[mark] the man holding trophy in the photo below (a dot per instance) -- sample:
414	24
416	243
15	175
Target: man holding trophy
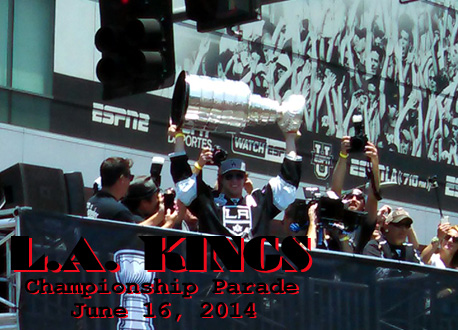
213	104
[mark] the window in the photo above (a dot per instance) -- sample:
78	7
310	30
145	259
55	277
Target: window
26	32
4	44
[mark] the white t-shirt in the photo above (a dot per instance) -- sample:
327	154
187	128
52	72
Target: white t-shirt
436	261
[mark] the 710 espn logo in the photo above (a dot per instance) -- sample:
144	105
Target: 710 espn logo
115	116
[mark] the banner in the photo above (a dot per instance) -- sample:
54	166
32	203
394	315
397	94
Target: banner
79	273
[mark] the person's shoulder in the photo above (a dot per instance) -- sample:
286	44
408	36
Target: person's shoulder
373	242
372	248
107	206
101	195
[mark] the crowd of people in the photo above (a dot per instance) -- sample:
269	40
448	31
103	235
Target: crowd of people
395	67
224	209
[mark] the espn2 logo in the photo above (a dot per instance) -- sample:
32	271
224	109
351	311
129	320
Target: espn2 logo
114	116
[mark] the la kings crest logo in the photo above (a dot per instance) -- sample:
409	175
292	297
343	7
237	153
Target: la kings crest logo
322	159
237	218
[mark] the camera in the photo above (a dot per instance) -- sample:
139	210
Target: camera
169	199
155	170
298	210
332	211
219	155
359	140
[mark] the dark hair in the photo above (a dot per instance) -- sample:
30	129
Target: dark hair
454	261
113	168
132	204
256	47
141	188
380	51
361	33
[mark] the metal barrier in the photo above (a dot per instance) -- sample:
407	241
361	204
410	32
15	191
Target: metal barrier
8	280
340	291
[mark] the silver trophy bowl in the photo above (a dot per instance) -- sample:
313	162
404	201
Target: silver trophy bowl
221	105
132	270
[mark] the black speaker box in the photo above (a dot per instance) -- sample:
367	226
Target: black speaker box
41	188
75	190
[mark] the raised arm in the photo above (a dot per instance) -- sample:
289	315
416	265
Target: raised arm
372	200
338	176
176	133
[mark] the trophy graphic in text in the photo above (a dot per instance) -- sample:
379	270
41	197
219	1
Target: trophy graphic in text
222	105
132	270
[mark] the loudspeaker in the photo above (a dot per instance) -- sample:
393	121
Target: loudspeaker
75	191
41	188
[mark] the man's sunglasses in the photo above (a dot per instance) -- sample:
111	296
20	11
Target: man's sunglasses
230	176
129	176
455	238
358	196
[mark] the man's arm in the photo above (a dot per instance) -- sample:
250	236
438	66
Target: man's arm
182	175
432	247
290	139
176	133
283	187
311	231
157	218
338	176
372	200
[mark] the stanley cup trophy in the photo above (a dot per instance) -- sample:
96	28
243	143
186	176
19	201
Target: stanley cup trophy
220	105
132	270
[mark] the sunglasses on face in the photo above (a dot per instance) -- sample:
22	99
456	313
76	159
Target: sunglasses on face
128	176
455	238
230	176
358	196
400	225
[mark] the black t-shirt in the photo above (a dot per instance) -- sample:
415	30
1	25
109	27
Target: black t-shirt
104	206
381	248
249	216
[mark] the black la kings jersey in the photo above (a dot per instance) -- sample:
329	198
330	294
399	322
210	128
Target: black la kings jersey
247	217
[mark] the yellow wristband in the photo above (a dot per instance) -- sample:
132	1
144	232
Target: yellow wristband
343	155
179	134
345	238
196	165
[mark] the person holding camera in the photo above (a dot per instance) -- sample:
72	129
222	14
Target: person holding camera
144	199
336	237
215	156
230	213
115	180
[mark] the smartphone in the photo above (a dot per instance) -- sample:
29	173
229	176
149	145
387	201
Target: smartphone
445	219
169	200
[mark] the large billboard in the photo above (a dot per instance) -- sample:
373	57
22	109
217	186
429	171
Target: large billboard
395	64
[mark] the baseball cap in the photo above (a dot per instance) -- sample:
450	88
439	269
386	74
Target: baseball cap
397	216
232	164
141	187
